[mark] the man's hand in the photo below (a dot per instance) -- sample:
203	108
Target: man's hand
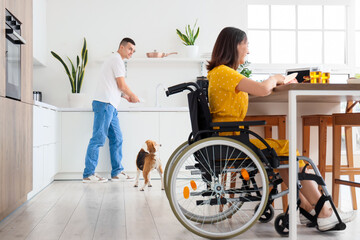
133	99
123	95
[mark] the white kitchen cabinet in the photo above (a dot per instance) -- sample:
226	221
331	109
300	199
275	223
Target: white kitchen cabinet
46	145
175	128
76	128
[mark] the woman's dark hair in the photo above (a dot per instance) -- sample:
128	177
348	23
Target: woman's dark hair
225	48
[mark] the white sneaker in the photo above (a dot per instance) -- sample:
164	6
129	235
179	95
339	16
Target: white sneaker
95	179
347	216
122	177
304	220
328	223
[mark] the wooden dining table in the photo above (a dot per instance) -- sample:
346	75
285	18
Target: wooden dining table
292	94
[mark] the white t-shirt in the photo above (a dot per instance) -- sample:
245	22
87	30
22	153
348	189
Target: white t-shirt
107	89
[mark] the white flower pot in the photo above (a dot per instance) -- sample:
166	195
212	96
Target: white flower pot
76	100
192	51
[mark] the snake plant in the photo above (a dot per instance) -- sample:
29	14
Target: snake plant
190	36
76	75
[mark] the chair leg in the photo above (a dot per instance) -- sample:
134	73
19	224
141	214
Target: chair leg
336	162
282	135
284	198
350	162
306	141
322	146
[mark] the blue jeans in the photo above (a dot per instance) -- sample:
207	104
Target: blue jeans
106	124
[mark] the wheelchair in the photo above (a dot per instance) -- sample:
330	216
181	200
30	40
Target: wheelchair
219	186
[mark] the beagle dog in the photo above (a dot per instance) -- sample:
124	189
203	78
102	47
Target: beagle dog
147	160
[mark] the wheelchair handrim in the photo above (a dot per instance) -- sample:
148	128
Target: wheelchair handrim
185	154
171	160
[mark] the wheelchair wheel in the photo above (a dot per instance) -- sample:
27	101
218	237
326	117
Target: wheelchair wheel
267	215
282	224
214	186
169	163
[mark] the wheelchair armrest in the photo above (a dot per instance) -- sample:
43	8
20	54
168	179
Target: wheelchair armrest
236	124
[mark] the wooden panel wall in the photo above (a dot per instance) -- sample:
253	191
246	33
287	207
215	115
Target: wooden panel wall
16	154
16	120
2	49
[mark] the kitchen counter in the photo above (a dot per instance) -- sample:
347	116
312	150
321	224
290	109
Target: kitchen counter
121	109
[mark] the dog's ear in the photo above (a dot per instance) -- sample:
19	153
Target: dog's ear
151	146
145	147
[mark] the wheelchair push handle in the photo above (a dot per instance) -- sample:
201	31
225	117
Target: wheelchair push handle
181	87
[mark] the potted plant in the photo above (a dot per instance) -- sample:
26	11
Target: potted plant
189	39
242	69
76	75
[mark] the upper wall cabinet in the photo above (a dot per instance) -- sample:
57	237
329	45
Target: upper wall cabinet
39	31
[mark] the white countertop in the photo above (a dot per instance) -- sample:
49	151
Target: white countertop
122	109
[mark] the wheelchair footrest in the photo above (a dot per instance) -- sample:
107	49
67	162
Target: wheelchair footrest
338	227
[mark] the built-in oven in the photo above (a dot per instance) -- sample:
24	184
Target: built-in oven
13	56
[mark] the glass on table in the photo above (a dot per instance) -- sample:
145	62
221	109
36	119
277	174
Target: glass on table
315	75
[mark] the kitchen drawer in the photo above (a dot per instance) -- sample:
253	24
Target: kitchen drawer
45	126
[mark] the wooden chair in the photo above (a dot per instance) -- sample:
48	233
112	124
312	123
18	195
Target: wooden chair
322	122
271	121
347	120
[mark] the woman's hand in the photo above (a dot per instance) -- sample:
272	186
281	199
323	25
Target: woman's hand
278	78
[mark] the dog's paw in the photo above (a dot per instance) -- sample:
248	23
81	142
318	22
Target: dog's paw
149	185
162	188
135	185
141	189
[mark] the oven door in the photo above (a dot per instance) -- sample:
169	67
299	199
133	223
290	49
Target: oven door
13	70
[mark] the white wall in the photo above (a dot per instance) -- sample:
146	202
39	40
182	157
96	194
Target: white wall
151	23
39	34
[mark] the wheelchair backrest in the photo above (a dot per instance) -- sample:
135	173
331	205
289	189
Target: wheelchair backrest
199	111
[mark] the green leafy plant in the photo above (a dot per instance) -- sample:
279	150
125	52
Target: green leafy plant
190	36
242	69
76	75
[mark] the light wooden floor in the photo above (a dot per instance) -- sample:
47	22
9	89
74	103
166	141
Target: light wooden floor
73	210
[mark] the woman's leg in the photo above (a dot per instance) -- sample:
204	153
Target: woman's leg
309	195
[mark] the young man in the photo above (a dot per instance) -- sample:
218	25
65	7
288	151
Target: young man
111	87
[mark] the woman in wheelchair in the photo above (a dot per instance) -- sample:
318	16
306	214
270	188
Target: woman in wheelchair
228	99
218	182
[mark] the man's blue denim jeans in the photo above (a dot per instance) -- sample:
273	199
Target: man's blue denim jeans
106	124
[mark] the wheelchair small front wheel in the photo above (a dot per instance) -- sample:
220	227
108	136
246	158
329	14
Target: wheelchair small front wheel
282	224
267	215
214	186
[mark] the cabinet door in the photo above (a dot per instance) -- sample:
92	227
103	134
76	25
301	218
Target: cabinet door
38	129
50	126
76	131
38	170
49	163
136	127
175	128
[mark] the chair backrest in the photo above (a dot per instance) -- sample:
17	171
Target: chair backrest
199	111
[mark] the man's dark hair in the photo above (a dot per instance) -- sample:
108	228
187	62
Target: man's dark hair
125	41
225	49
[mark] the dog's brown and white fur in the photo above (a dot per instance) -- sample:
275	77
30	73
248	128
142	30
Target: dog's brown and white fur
146	161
